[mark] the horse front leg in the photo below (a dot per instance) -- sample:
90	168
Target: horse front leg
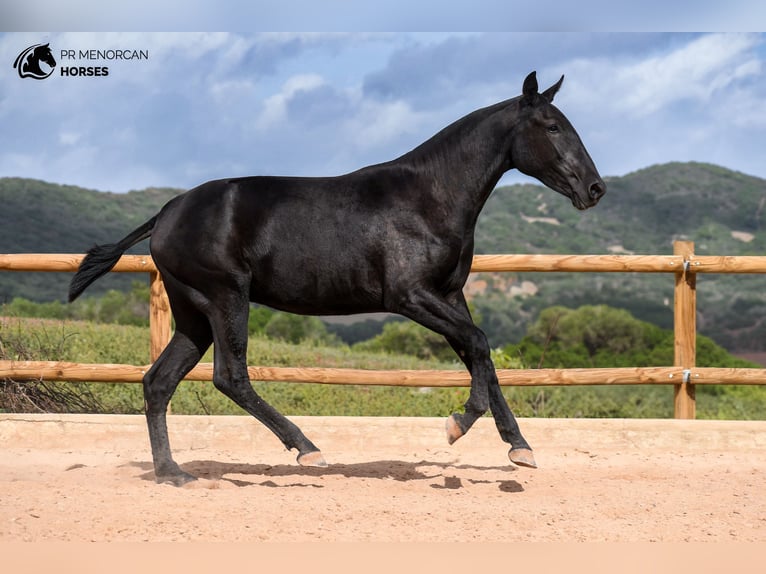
520	452
473	350
453	322
452	319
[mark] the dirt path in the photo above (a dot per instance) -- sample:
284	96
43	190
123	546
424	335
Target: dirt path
89	478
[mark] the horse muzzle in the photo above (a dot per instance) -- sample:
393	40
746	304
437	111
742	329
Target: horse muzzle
590	198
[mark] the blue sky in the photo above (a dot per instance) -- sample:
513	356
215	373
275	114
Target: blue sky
209	105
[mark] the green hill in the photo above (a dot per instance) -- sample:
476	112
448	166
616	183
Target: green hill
41	217
642	212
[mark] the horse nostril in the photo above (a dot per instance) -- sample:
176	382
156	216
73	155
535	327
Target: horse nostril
597	189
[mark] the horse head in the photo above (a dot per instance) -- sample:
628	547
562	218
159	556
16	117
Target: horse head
43	54
547	147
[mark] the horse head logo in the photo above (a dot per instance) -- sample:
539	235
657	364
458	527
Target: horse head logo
28	62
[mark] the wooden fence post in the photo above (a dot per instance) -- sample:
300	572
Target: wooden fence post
159	316
685	326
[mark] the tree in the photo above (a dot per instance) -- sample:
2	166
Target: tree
595	327
258	318
593	336
409	338
297	328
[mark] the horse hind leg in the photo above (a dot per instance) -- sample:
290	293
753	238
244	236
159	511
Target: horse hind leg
233	381
228	317
160	382
231	378
191	339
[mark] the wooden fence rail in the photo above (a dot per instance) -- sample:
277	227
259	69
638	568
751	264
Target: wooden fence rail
684	374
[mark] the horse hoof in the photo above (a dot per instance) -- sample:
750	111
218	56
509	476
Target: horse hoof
314	458
522	457
454	431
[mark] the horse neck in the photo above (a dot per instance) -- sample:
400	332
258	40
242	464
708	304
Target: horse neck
466	160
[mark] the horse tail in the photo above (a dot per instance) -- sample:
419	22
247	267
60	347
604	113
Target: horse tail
101	258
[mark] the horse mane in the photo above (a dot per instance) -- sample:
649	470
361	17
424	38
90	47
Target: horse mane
456	128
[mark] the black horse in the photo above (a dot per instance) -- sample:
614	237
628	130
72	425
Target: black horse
395	237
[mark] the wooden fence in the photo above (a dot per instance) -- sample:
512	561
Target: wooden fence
683	374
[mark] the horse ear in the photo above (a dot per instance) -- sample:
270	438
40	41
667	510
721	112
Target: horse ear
550	92
529	91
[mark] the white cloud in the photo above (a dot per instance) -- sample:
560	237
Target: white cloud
275	106
68	138
676	98
694	71
227	92
380	123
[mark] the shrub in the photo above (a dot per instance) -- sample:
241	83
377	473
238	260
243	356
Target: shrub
409	338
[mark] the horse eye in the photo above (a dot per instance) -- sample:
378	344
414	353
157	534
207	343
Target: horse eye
553	129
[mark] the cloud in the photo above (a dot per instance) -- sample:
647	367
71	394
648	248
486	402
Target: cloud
644	83
275	107
69	138
221	104
193	99
492	65
377	124
692	72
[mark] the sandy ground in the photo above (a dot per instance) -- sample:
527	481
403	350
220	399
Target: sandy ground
89	478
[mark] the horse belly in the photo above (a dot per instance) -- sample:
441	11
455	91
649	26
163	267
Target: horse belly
312	285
